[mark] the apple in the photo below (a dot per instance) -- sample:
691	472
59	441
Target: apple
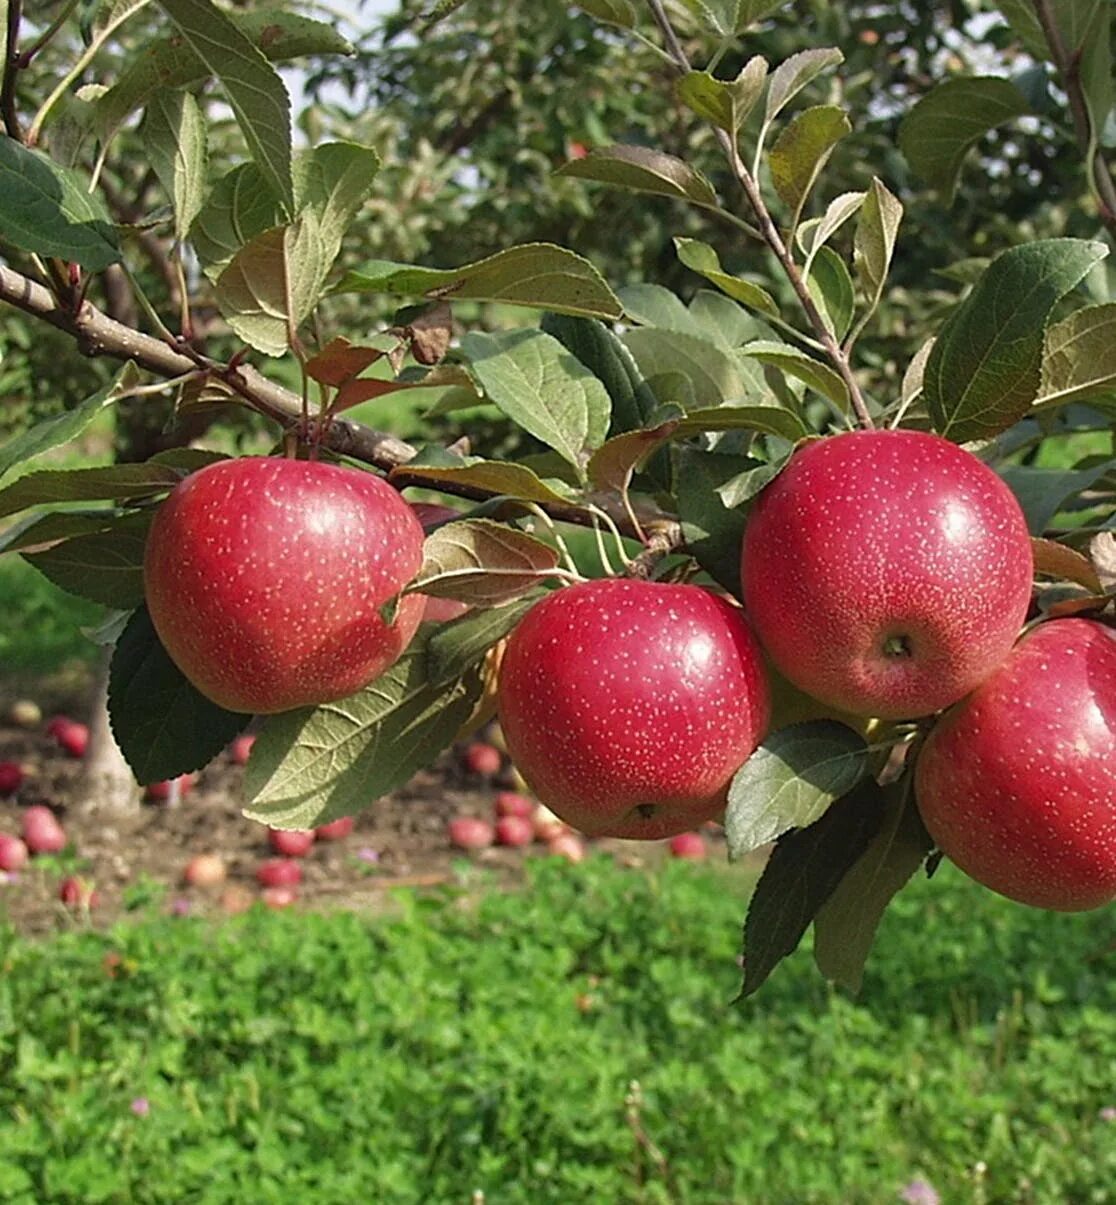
886	573
24	713
688	845
547	825
1017	783
567	845
265	580
335	830
160	792
629	705
470	832
57	723
41	830
72	738
512	803
241	748
13	853
291	842
205	870
11	777
481	759
279	897
514	831
236	898
76	892
279	872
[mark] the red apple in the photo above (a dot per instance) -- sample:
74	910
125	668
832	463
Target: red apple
512	803
11	777
72	738
41	831
886	573
57	723
160	792
567	845
547	825
1017	784
629	705
241	748
279	872
265	580
471	832
335	830
279	897
76	892
205	870
514	830
688	845
482	759
292	842
13	853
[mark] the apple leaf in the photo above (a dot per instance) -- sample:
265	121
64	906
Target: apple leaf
1079	358
803	871
815	233
712	531
503	477
541	386
47	209
119	482
653	305
726	104
984	371
745	486
642	169
613	463
938	132
913	376
801	151
726	18
702	258
174	143
602	353
339	361
831	287
38	531
459	645
877	225
313	765
790	780
793	74
163	724
713	374
797	364
845	925
1042	492
1065	564
483	563
539	275
105	566
620	13
60	429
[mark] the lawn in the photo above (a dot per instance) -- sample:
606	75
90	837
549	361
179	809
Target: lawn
484	1040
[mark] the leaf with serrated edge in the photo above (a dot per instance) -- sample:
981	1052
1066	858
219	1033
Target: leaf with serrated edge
1064	564
611	466
1043	492
874	242
253	88
794	73
105	566
802	873
831	287
63	427
611	12
643	170
709	98
164	726
790	780
539	275
714	374
514	480
313	765
174	141
541	386
460	644
801	151
985	368
702	258
846	923
483	563
912	378
1079	358
817	232
798	364
937	133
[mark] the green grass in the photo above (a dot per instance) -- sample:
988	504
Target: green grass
420	1057
42	624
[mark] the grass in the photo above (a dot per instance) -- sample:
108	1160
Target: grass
488	1041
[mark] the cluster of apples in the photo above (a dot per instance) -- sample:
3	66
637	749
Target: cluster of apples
886	574
517	821
41	833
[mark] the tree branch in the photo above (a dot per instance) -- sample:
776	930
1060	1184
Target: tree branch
11	71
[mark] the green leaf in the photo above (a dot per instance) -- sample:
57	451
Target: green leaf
712	531
538	384
724	18
483	563
793	74
240	206
795	363
985	367
741	489
174	142
169	63
62	428
643	170
503	477
790	780
610	362
702	258
714	374
653	305
621	13
803	871
455	647
314	765
724	321
801	151
105	566
845	925
164	725
1020	15
831	287
333	181
272	284
937	133
536	274
1079	358
725	104
39	530
256	94
1043	492
815	233
874	242
47	209
118	482
769	420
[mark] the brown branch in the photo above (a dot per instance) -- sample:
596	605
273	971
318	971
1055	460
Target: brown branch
11	71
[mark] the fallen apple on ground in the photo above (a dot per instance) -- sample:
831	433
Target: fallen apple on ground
482	759
41	830
160	792
514	830
205	870
291	842
13	853
688	845
77	892
279	872
512	803
471	832
335	830
11	777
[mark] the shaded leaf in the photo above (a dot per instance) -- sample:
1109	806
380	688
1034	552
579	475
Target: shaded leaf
877	225
795	363
702	258
727	17
613	463
643	170
712	531
713	374
801	151
339	361
482	563
1042	492
174	142
612	12
1064	564
105	566
1079	358
457	646
831	287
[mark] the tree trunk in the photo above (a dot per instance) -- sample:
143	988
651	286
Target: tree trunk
107	786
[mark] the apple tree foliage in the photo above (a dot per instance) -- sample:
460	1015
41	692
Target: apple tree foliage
156	214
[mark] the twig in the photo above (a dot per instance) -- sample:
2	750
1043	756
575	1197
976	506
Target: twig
11	71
